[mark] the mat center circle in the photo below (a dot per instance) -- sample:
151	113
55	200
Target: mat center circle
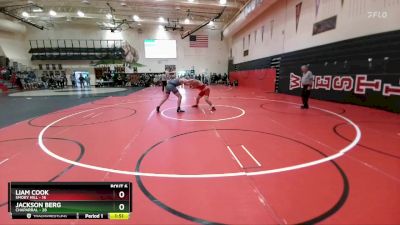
202	114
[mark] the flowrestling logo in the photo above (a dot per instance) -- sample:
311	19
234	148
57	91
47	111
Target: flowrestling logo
358	84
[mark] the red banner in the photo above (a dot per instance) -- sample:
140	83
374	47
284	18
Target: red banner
263	79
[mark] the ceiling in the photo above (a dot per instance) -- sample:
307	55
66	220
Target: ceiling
148	11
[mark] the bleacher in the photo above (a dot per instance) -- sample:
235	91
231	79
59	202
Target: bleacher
69	49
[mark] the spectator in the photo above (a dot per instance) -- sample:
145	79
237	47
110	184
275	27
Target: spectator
18	82
87	80
73	80
81	80
65	80
163	81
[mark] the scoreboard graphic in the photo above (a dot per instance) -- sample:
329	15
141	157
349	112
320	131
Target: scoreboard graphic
70	200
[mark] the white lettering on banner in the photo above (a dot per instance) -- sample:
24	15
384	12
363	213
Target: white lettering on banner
389	89
362	84
342	83
323	82
294	81
359	84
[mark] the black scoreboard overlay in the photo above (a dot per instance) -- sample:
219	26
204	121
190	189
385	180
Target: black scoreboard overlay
70	200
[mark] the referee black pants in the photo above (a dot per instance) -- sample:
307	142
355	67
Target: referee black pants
163	83
305	95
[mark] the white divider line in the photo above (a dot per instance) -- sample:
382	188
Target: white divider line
254	159
96	115
5	160
88	115
234	156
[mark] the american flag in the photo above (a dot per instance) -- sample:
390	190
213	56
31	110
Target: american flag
199	41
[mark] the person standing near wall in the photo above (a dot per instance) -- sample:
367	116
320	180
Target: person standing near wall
73	80
87	79
306	80
163	80
65	80
81	81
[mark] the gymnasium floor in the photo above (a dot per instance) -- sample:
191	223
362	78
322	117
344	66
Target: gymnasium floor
258	159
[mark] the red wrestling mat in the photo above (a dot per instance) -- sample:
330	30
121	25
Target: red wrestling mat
258	159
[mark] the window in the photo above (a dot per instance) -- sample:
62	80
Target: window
249	41
255	36
243	43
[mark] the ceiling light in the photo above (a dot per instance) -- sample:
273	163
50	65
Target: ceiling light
37	10
211	23
136	18
160	26
109	16
222	2
52	13
139	24
80	13
86	2
187	21
123	3
161	19
25	14
190	1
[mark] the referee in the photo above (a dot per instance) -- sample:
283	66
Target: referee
306	81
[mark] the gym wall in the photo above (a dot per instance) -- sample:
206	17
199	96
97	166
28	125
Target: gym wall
263	79
15	47
211	59
371	50
363	71
281	29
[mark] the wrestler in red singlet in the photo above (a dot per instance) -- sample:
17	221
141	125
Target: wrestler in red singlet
204	91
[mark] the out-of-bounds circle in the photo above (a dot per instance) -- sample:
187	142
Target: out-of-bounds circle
340	152
241	113
336	130
131	113
61	173
340	202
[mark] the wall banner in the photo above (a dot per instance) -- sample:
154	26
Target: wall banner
298	12
381	91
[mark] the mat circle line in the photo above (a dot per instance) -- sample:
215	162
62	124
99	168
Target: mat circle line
317	219
30	122
81	148
336	131
342	111
209	175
